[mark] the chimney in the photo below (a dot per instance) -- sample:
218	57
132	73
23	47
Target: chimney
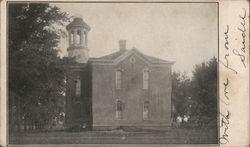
122	44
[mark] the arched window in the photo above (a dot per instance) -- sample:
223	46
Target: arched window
78	87
145	78
118	79
85	39
78	37
118	114
71	38
145	114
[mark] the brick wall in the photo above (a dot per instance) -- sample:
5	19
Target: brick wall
132	94
78	108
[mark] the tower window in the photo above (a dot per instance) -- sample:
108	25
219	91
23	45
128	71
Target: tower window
118	79
78	37
145	79
145	114
78	87
118	114
71	38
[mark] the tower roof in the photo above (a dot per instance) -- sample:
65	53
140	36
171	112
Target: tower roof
78	22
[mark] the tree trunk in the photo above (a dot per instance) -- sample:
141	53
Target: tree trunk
18	115
32	124
12	114
25	124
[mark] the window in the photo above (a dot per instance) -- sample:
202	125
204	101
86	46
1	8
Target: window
78	37
71	38
132	60
145	78
118	114
118	79
173	108
145	114
78	87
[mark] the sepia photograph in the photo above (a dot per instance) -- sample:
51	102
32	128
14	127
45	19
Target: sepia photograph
112	73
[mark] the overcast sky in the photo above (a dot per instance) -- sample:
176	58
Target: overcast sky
182	32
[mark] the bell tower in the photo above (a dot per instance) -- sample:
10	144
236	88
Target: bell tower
78	40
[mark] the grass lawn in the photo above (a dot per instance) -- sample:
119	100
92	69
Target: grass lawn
173	136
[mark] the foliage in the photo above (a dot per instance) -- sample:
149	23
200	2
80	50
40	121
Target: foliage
204	91
36	74
180	93
197	96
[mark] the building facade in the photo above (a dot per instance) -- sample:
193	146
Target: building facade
125	88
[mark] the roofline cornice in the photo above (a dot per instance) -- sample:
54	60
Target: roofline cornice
125	55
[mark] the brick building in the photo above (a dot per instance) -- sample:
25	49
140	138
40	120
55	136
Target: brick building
125	88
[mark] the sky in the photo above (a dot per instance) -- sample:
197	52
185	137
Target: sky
186	33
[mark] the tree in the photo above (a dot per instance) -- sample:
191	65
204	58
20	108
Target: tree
180	93
204	92
36	74
197	97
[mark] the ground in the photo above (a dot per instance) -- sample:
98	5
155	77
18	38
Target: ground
173	136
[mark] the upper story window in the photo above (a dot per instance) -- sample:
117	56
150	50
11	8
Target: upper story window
78	87
118	114
118	79
145	114
145	79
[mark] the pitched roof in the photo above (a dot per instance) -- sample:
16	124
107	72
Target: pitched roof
123	53
154	59
114	55
78	22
